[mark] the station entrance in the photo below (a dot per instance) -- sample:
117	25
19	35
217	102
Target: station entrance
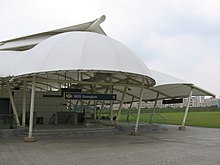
73	99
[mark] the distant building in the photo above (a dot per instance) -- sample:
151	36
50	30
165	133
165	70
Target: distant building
211	102
197	101
218	103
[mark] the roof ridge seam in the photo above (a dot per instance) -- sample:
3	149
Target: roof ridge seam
51	48
83	48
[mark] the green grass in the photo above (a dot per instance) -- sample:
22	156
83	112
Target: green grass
200	119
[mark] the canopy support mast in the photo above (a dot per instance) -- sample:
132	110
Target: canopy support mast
121	104
182	127
24	104
13	104
139	109
154	110
30	138
129	110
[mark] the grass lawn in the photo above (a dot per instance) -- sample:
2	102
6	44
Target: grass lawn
200	119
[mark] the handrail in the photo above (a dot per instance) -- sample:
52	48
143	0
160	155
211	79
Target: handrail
52	119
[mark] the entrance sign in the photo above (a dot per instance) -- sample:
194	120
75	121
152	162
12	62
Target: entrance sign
81	96
172	101
69	90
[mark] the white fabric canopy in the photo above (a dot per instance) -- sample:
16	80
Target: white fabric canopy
172	87
92	52
167	86
74	51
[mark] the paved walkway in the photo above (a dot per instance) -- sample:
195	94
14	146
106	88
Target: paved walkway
195	146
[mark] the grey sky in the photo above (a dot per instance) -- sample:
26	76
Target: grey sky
180	38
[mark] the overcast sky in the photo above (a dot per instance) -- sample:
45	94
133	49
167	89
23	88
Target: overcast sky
177	37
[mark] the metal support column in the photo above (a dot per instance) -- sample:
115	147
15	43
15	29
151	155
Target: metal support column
186	111
155	103
121	104
24	104
2	89
101	110
95	111
129	110
103	104
95	103
111	106
30	138
139	108
13	104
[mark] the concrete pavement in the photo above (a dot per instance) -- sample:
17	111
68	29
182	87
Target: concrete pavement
195	146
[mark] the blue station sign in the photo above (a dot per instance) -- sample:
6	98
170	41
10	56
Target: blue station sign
81	96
